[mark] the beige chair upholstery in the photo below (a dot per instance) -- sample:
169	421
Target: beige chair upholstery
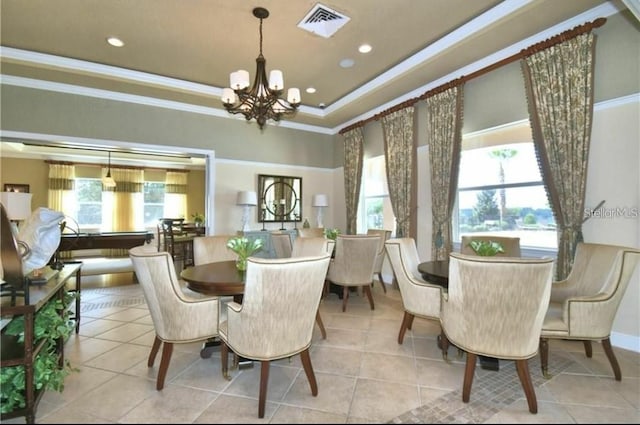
275	320
311	232
281	242
511	245
177	317
211	249
311	247
419	297
355	256
584	305
377	268
495	307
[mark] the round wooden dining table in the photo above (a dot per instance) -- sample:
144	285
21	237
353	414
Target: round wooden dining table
217	279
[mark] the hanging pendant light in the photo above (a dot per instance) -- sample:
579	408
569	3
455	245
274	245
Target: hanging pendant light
108	181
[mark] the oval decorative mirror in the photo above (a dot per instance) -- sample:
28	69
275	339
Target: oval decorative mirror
280	198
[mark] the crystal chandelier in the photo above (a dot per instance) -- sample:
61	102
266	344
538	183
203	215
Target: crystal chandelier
262	101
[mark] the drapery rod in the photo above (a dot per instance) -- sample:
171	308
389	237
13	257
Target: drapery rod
127	167
545	44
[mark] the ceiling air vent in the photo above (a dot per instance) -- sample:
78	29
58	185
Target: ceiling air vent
323	21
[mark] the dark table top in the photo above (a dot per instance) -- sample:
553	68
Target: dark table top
436	272
220	278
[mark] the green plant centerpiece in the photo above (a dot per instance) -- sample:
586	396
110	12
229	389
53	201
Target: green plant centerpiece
50	323
244	247
332	233
198	218
486	248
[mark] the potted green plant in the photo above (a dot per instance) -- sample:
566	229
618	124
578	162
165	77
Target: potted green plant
486	248
244	247
332	233
198	218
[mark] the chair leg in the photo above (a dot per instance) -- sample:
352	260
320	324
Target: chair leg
522	366
321	325
367	291
606	344
154	351
469	370
408	317
384	287
224	360
543	348
345	297
167	350
443	343
588	349
308	370
264	381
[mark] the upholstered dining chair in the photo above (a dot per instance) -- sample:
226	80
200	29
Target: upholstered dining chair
511	245
377	268
355	257
584	305
277	314
177	317
281	242
305	247
419	297
311	232
495	307
211	249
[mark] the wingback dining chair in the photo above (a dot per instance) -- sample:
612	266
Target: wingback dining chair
511	245
311	232
178	318
305	247
275	320
355	257
584	305
210	249
419	297
281	242
377	268
495	307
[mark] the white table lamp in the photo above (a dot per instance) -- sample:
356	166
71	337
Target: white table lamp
17	205
246	199
320	201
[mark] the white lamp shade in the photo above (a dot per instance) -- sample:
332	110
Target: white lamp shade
276	80
320	200
17	204
108	181
293	96
246	197
228	96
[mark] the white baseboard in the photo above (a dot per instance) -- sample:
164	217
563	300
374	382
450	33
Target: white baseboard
628	342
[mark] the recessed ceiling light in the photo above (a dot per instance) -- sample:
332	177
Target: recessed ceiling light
115	41
311	90
347	63
365	48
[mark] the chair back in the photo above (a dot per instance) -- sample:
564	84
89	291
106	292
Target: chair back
511	245
172	312
281	298
281	242
384	236
419	297
311	232
355	256
495	305
304	247
211	249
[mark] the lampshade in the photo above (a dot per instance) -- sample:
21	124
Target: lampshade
247	197
320	200
16	204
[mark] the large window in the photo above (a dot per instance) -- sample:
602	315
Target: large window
153	202
500	192
375	211
89	203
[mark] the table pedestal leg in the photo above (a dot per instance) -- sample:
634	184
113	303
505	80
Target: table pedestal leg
213	344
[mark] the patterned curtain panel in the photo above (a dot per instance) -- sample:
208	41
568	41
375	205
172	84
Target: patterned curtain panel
353	160
175	198
444	133
61	195
559	84
127	195
398	129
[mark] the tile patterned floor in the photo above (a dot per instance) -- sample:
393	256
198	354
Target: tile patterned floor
363	374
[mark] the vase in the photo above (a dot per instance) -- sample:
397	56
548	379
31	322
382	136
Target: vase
241	263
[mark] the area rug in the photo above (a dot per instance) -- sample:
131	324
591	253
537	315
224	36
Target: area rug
489	395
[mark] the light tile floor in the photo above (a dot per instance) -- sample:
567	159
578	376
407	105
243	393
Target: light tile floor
363	374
